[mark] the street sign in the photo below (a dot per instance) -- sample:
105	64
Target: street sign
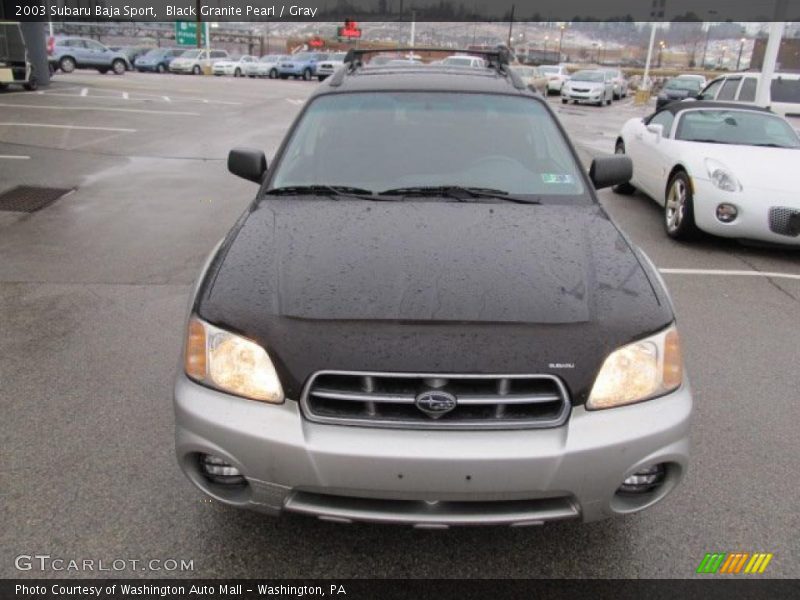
186	33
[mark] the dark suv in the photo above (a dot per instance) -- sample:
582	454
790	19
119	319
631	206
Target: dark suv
426	317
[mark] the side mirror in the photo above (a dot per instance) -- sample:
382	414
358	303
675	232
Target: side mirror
248	163
610	170
656	129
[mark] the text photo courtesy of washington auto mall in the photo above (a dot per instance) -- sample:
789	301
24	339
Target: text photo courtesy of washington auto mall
352	298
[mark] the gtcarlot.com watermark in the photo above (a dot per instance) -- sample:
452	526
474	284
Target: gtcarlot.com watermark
46	562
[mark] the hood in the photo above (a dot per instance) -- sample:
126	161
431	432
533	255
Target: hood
586	84
776	167
431	287
676	93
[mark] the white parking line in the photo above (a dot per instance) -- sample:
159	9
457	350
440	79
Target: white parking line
295	101
13	157
85	92
105	109
124	95
82	127
726	272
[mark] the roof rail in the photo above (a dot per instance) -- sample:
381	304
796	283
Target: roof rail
498	59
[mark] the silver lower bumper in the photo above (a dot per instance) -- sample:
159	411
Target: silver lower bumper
431	478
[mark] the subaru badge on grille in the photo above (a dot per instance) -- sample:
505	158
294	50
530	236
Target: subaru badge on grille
436	403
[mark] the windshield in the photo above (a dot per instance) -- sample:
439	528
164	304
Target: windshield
191	54
155	53
302	57
549	69
385	140
689	85
588	76
745	128
338	56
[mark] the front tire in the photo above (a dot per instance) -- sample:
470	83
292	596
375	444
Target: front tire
161	68
626	189
119	67
237	72
679	208
273	73
564	101
307	75
67	64
196	70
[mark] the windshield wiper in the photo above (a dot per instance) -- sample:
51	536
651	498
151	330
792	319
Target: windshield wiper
772	145
323	190
462	194
708	141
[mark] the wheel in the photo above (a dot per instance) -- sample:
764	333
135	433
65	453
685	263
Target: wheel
237	72
161	68
608	102
119	67
564	101
67	64
616	96
52	68
273	73
3	87
626	189
307	74
196	70
32	84
102	70
679	208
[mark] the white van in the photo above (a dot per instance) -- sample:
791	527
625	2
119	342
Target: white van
784	97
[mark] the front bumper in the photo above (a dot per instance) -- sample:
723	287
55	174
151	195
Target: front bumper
753	206
592	96
181	68
431	478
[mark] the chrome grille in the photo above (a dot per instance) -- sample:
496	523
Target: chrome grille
390	400
784	221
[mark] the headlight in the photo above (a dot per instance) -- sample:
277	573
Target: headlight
722	177
230	363
645	369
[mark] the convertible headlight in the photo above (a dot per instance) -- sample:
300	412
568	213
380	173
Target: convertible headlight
230	363
639	371
722	177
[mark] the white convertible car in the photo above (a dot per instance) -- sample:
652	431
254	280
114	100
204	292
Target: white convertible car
727	169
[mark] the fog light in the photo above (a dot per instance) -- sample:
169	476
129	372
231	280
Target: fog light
643	481
726	213
220	471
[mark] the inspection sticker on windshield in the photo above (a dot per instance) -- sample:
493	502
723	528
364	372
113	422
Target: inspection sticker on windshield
556	178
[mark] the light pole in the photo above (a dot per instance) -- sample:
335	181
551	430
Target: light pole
661	45
739	58
722	59
546	38
560	40
600	53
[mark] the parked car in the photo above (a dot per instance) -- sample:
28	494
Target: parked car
301	65
620	83
328	67
533	78
132	53
70	53
372	341
784	93
236	67
15	66
677	88
266	66
196	61
556	76
590	85
157	60
723	168
461	60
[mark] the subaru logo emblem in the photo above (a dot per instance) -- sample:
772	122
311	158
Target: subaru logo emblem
435	403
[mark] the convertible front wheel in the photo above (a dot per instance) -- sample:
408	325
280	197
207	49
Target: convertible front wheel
679	208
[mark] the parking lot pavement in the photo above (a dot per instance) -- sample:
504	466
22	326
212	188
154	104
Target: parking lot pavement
93	291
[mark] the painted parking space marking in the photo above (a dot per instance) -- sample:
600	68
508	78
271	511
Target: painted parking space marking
78	127
104	109
13	157
734	273
85	92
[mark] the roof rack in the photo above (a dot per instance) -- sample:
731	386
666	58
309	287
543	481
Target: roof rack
497	59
